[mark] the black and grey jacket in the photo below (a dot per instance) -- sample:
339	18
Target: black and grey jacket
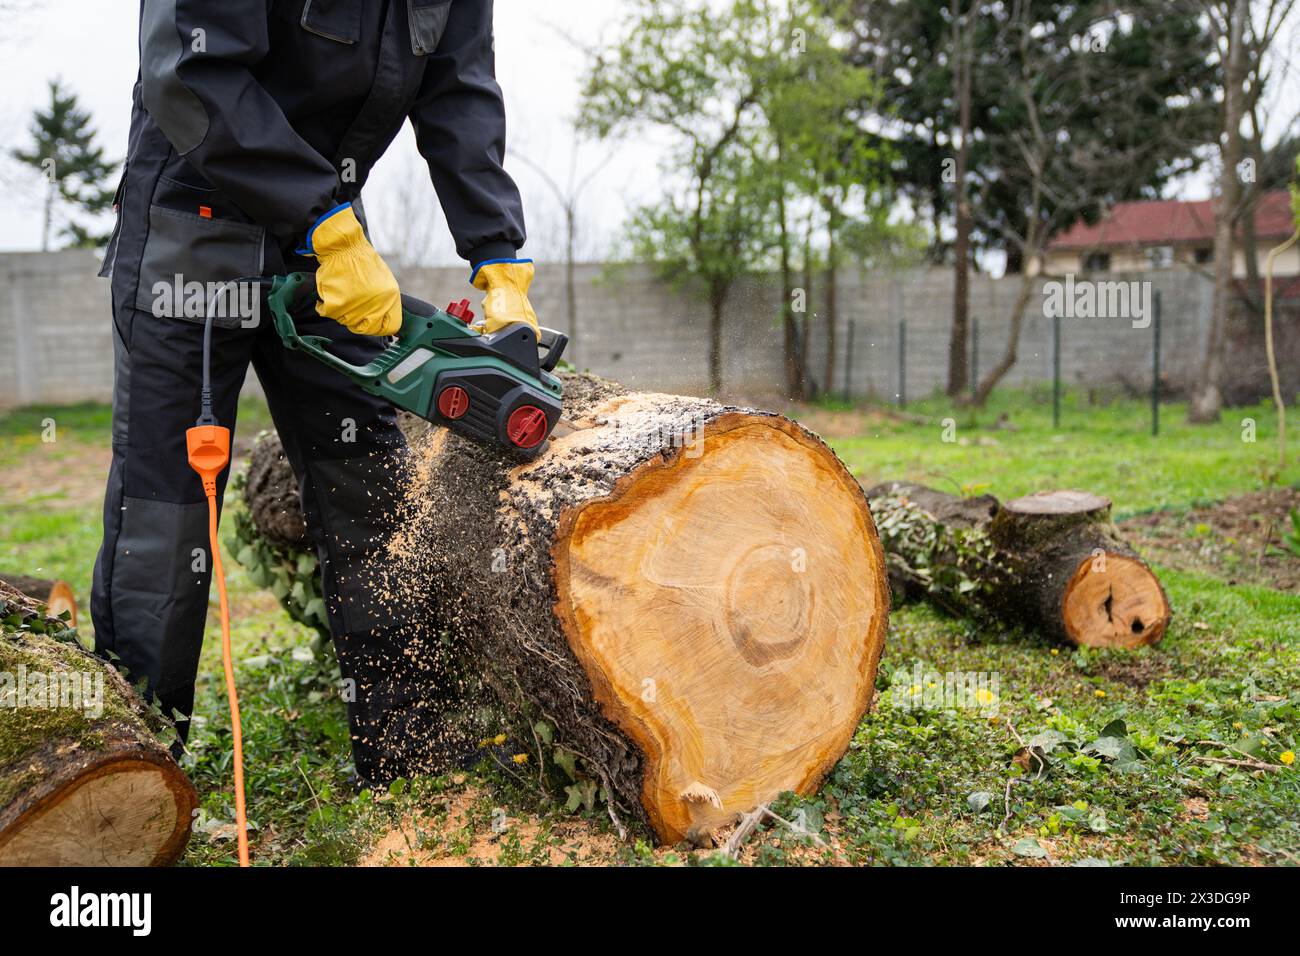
253	117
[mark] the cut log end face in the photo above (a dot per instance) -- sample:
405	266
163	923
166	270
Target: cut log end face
730	611
128	811
1113	600
61	601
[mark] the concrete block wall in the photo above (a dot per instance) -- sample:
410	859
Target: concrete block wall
642	331
56	345
648	333
1093	351
56	341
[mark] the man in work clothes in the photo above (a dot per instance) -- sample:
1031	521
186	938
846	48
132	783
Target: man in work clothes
255	124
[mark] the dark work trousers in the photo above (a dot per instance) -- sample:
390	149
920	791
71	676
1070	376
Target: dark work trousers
149	599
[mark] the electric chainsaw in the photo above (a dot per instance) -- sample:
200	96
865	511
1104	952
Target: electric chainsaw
495	388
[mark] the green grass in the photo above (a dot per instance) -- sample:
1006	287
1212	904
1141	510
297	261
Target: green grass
21	428
923	785
905	788
1106	449
55	531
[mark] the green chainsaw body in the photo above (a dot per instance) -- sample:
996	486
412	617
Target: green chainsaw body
495	388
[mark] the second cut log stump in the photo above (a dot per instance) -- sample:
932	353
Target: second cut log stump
1092	588
1052	560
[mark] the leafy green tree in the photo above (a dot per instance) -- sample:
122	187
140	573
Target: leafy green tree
765	111
76	172
1122	92
679	67
818	155
716	236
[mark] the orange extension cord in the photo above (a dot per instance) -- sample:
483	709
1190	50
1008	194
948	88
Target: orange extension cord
209	453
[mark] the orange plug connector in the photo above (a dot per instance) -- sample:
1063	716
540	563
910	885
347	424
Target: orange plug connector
209	452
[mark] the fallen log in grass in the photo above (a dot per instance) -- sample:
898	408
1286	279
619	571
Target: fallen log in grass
86	778
1052	561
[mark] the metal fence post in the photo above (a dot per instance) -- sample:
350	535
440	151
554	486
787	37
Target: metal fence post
1155	366
902	362
1056	371
848	363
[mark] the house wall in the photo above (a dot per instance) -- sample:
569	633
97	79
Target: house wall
1060	262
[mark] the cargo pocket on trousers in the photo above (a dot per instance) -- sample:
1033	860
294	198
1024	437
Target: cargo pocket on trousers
428	21
186	260
110	251
337	20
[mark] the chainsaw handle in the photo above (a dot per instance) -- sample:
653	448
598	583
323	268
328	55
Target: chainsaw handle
290	292
426	331
284	294
554	343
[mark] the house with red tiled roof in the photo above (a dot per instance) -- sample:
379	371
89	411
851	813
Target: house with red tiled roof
1167	233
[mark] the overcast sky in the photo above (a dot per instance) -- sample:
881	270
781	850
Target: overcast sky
91	45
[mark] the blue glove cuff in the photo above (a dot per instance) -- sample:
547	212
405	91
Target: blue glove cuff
491	262
307	249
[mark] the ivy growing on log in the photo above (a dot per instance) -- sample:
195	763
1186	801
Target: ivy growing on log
957	569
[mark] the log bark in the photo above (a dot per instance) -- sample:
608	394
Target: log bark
692	596
85	778
1053	561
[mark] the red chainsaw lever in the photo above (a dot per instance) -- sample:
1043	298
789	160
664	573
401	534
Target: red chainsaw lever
461	311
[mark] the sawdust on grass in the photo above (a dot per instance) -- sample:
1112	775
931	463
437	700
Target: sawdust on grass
464	829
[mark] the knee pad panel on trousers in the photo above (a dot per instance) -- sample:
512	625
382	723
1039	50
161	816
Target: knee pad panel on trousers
157	600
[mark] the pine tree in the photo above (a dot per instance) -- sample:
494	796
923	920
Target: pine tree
76	172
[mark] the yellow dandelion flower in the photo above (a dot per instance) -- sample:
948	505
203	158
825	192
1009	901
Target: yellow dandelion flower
1055	652
1288	757
1099	692
520	758
499	739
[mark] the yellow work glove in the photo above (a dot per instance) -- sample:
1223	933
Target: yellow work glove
355	286
506	283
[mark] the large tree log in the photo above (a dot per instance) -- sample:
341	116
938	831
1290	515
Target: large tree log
1051	560
693	596
85	779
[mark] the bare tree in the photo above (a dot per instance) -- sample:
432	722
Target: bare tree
1076	138
962	54
1228	20
1243	42
568	196
1036	151
407	224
